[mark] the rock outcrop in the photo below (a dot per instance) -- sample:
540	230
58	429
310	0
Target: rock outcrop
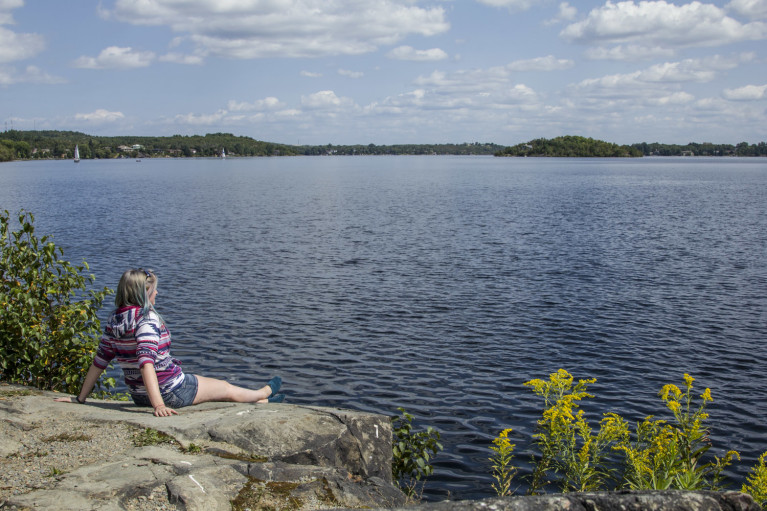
311	457
608	501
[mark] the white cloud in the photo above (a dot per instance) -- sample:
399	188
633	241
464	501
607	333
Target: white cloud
100	116
688	70
179	58
754	9
514	5
201	119
747	93
15	46
713	104
290	112
310	74
676	98
660	24
10	4
656	85
351	74
520	92
32	74
410	53
547	63
285	28
630	52
6	18
462	82
115	57
462	96
325	99
566	13
269	103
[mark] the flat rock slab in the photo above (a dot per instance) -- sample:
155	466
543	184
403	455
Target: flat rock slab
320	457
669	500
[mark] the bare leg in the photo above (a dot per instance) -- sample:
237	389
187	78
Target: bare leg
210	389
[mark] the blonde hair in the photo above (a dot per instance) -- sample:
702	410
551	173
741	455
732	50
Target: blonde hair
135	288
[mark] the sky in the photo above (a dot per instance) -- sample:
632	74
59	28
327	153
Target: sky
388	71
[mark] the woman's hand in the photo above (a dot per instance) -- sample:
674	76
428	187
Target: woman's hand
164	411
90	380
66	399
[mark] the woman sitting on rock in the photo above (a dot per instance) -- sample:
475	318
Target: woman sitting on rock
136	336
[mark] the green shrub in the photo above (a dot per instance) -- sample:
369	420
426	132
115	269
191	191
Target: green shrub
756	482
49	329
412	452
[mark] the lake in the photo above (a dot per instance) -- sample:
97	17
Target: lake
441	284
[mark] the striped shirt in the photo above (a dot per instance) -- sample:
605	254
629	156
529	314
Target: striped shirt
135	340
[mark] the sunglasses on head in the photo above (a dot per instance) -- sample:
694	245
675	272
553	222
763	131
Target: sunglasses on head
148	273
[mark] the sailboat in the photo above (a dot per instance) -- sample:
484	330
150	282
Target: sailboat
223	153
77	154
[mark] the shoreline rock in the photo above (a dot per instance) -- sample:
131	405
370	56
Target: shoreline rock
655	500
114	455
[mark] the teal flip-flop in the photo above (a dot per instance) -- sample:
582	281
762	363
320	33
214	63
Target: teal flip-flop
277	398
275	383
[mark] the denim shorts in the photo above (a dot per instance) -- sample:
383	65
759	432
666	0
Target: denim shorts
181	396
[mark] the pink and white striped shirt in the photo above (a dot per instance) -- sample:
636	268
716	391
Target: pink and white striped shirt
135	339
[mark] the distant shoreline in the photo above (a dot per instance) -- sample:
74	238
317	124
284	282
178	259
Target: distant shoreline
60	145
235	157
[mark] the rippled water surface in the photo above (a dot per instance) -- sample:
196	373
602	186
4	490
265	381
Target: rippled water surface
440	284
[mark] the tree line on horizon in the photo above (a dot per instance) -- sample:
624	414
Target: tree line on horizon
61	145
703	149
574	146
52	144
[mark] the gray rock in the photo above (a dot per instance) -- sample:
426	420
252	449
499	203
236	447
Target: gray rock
318	456
671	500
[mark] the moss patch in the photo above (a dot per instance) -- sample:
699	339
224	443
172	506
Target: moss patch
272	496
151	436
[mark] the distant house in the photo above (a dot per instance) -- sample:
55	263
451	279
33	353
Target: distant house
134	147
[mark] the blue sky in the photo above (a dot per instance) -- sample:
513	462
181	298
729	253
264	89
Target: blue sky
388	71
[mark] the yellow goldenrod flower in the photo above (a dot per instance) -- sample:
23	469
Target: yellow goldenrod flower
669	389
